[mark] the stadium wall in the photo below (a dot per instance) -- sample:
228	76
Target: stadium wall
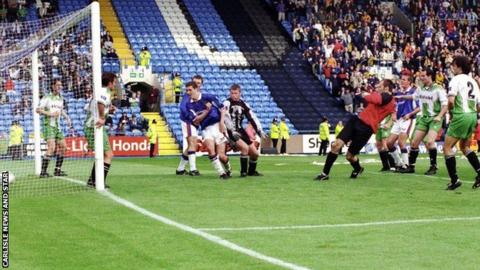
310	144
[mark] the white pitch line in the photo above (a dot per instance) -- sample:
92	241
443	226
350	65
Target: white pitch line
423	176
71	180
346	225
210	237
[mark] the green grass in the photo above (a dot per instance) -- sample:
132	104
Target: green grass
85	230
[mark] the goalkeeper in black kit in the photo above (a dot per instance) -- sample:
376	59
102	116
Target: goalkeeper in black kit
236	111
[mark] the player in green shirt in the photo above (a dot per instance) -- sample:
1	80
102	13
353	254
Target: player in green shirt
463	103
383	132
433	107
52	107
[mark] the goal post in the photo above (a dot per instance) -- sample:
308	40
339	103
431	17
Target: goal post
97	85
50	69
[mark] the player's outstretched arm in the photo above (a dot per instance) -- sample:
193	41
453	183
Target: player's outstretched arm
407	97
411	114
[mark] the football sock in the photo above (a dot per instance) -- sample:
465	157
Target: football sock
106	168
331	157
243	164
433	156
473	159
451	168
183	162
412	158
192	160
384	158
45	161
252	166
58	163
404	152
217	165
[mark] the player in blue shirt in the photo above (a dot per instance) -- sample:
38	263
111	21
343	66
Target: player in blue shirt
189	134
403	126
207	113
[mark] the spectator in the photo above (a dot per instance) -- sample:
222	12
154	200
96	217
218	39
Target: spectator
324	134
124	102
122	124
116	101
135	127
152	137
9	85
15	144
111	53
21	13
281	11
284	136
26	105
177	86
109	122
134	100
145	57
274	133
144	123
3	12
153	100
347	98
336	85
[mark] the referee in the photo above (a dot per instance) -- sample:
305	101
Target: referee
359	129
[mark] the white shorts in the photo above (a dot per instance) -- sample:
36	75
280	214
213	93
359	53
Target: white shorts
189	130
213	133
402	126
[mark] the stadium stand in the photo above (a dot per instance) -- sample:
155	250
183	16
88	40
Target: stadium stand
343	41
174	47
285	72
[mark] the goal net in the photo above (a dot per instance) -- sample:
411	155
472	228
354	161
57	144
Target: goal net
48	75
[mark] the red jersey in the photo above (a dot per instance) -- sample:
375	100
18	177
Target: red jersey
378	107
477	133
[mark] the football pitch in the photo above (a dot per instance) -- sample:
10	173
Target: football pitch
153	219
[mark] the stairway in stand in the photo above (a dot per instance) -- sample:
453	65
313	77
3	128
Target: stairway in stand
166	141
120	42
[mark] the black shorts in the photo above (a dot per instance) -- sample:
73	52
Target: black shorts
243	135
356	132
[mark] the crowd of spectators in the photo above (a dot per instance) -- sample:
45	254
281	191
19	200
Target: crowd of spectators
108	51
66	57
137	126
348	42
131	121
17	10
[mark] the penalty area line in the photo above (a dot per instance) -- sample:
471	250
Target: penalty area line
347	225
210	237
